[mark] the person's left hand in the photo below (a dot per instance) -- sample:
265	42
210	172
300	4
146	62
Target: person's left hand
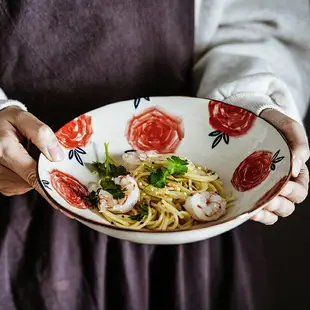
296	190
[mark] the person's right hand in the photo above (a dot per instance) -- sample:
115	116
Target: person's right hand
17	167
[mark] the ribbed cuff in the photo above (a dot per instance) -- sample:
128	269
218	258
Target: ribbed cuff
257	103
9	103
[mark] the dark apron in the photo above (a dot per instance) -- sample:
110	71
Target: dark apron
62	58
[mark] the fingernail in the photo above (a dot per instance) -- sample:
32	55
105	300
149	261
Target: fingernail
55	151
296	167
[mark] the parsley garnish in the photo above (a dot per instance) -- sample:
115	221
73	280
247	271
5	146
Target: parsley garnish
158	178
144	211
107	168
114	189
92	198
177	166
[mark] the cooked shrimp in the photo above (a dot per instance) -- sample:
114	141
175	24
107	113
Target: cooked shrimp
124	205
205	206
134	158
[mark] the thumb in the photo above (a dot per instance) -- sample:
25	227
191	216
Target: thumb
295	135
39	134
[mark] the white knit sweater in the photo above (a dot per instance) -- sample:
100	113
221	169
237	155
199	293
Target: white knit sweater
250	53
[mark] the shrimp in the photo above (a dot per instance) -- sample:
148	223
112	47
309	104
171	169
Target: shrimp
205	206
124	205
134	158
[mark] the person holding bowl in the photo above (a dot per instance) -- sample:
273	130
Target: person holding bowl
61	59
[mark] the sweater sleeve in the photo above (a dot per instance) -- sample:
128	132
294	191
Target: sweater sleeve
5	102
254	54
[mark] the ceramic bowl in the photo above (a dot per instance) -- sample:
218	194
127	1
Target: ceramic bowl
250	155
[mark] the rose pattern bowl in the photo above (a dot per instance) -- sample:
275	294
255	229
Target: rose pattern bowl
251	157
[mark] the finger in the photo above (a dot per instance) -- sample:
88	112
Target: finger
265	217
297	190
12	184
298	141
281	206
16	158
39	134
303	178
295	135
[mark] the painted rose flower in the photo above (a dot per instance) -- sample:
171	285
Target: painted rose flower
76	133
155	130
271	193
69	188
253	170
228	121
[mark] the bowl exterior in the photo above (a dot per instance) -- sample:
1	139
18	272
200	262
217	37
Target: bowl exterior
251	157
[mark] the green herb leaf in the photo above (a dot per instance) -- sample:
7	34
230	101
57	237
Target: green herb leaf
144	212
177	166
109	185
138	217
92	198
144	208
107	168
159	177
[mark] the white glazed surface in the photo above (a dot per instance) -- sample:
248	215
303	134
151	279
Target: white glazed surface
109	125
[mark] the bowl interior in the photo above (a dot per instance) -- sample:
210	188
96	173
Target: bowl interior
251	157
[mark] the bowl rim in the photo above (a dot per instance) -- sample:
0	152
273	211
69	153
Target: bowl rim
206	224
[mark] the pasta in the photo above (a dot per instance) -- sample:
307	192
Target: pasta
159	192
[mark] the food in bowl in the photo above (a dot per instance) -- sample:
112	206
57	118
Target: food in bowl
156	192
250	157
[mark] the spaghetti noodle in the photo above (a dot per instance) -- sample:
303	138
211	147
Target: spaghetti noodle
174	193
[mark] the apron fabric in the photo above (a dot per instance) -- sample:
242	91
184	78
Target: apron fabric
63	58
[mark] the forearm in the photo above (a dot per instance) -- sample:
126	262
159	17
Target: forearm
253	60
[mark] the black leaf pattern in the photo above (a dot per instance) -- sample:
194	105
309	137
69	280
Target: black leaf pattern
46	184
71	154
226	138
81	151
273	167
275	155
215	133
277	160
78	158
216	141
137	101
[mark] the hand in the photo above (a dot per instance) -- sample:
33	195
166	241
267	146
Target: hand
17	167
296	190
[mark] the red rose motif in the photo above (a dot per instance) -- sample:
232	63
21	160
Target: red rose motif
154	130
271	193
254	170
76	133
69	188
228	121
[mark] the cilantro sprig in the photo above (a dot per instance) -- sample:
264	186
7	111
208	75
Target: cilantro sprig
144	212
92	198
175	167
111	187
107	170
158	178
